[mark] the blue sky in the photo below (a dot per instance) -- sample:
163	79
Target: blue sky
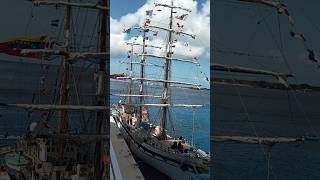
123	7
120	12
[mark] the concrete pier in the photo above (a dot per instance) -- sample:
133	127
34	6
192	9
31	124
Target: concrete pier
123	166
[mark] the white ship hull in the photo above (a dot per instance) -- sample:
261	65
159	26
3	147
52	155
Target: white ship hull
161	161
173	171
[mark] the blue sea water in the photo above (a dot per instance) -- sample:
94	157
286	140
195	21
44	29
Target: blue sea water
272	113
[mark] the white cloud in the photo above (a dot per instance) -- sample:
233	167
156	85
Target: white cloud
197	22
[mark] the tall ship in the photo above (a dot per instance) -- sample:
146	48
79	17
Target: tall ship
54	145
147	136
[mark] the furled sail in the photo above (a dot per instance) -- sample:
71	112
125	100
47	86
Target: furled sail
281	77
55	107
119	76
255	140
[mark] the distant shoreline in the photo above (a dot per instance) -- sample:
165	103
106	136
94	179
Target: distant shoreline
201	89
266	84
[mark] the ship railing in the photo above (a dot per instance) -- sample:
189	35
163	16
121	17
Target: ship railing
6	149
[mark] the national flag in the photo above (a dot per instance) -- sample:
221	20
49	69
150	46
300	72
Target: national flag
180	26
145	112
118	76
14	46
311	55
149	13
298	35
54	24
182	17
195	58
129	54
46	124
127	31
55	20
283	9
106	159
148	21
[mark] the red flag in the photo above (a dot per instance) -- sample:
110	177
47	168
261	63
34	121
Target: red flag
106	159
145	112
45	124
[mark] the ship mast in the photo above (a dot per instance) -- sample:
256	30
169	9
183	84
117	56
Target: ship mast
166	78
64	91
142	65
69	57
142	71
101	90
130	74
167	63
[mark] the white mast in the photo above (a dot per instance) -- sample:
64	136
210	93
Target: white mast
167	63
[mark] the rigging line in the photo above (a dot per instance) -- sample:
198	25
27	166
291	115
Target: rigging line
280	32
60	25
309	19
72	37
39	95
29	20
255	31
247	114
93	32
29	113
51	113
304	112
290	71
171	121
80	41
284	57
193	130
244	53
280	47
268	157
40	25
246	174
213	14
98	28
263	18
237	5
82	123
290	106
83	25
198	65
76	20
